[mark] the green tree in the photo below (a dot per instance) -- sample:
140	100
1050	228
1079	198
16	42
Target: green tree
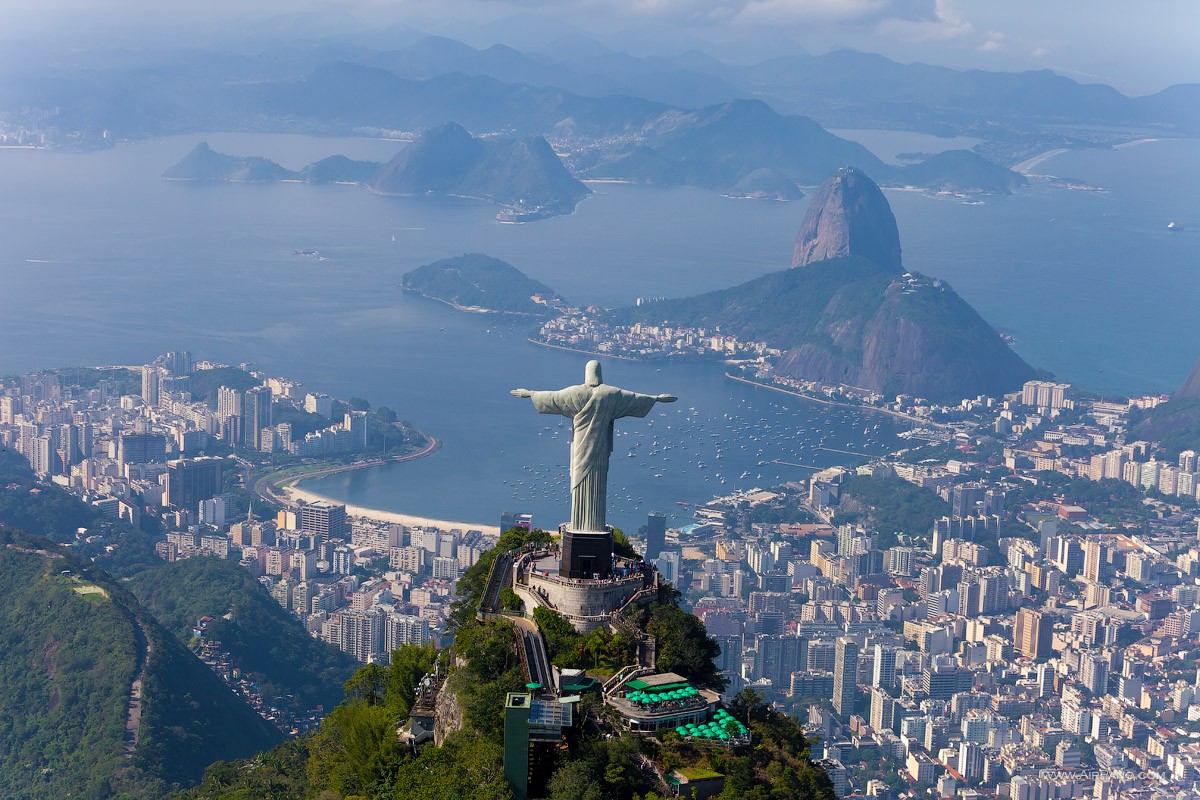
386	414
575	780
354	748
359	404
410	663
367	684
684	646
560	635
510	600
622	546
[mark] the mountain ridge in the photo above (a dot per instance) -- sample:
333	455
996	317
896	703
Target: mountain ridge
100	643
718	147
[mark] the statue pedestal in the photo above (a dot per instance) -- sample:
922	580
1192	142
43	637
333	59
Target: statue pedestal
586	555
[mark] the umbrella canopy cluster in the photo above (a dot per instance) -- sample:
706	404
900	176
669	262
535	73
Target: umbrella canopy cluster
645	698
718	728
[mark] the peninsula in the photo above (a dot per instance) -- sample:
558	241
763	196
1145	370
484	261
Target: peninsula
847	314
478	283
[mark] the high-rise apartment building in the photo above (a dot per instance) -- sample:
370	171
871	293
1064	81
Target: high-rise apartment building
151	384
141	448
656	534
884	671
324	521
192	480
1034	633
883	710
845	676
1095	559
1045	394
256	415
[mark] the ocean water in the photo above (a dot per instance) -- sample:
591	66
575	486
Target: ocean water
101	261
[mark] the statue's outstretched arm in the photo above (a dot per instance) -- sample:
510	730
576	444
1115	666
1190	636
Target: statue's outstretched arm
666	398
521	393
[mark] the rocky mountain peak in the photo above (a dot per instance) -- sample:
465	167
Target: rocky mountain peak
848	216
1191	386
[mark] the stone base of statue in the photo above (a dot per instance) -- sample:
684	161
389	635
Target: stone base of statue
586	554
582	580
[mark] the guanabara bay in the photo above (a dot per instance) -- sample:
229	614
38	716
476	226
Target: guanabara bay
524	400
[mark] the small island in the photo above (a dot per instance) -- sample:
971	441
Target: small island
524	176
478	283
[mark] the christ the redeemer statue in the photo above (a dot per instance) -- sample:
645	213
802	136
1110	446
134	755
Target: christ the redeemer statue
592	406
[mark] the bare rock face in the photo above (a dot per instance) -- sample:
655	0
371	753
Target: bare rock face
1191	386
448	715
849	216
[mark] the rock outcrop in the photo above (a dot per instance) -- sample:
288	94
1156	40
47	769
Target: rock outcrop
1191	386
447	716
849	216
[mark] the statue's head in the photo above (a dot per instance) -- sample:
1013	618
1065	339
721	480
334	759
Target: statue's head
592	376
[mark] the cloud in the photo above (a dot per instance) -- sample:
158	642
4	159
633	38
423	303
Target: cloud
740	12
993	42
943	23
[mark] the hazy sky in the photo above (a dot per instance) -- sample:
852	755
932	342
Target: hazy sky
1136	46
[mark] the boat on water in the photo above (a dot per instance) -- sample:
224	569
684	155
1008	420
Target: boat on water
1174	226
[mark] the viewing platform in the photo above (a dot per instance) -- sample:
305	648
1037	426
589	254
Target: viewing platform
588	603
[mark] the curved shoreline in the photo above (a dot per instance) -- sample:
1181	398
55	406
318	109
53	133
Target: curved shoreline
284	490
824	401
531	340
470	309
1026	167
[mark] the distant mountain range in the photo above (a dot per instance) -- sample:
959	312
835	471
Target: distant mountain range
744	147
593	90
848	313
524	175
842	88
577	88
477	282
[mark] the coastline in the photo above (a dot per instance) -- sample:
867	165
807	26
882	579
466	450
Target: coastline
584	352
1026	167
825	401
284	489
410	520
470	309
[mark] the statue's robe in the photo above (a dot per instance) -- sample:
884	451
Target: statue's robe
592	410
